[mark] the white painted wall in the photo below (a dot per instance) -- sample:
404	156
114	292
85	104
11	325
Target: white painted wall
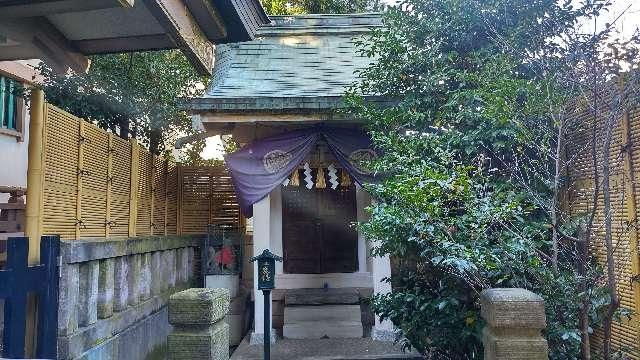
13	159
13	151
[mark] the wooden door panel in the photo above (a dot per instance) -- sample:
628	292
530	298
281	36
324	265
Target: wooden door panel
317	233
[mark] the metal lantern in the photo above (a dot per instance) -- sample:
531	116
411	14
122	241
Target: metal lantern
266	269
266	283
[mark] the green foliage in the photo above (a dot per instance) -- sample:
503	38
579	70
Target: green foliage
192	155
294	7
468	145
134	94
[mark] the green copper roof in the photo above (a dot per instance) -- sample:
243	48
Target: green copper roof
292	62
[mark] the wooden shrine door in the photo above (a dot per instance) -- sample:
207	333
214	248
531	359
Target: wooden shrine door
317	231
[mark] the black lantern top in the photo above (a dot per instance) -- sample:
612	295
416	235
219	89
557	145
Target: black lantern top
266	269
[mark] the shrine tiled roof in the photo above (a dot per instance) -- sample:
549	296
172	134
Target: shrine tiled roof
303	61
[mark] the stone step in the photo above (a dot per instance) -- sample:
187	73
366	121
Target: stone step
322	329
332	296
295	314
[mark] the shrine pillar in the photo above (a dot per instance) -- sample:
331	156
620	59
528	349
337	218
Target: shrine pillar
382	330
363	199
262	231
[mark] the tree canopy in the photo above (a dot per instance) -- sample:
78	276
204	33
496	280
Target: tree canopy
133	94
471	149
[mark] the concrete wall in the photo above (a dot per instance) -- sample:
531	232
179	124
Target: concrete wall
113	295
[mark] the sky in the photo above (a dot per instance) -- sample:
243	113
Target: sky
627	13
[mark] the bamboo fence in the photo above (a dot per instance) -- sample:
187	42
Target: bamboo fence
625	167
97	185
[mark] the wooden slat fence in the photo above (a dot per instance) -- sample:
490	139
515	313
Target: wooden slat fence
99	185
625	193
208	197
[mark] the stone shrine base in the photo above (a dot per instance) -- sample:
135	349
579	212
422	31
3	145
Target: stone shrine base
325	349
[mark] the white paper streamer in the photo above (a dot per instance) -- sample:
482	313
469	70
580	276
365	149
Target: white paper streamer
285	182
307	176
333	176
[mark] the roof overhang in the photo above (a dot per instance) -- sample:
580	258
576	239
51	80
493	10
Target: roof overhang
275	105
63	32
244	118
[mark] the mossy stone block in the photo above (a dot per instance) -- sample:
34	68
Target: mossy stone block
209	343
198	306
512	308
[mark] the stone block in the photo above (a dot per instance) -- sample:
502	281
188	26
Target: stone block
133	279
512	308
105	288
120	284
322	313
145	276
198	306
68	299
171	267
515	319
332	296
164	270
513	345
235	322
88	295
230	282
184	266
322	329
156	273
191	265
210	343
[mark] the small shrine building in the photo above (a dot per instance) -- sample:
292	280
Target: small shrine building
300	168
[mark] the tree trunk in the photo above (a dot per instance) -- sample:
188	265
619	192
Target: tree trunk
583	249
123	124
155	141
585	307
554	199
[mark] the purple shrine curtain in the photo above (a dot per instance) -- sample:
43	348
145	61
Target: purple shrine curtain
260	166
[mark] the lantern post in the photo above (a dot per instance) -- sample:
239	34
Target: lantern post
266	283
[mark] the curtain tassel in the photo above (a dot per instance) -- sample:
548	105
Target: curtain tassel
320	183
295	178
345	179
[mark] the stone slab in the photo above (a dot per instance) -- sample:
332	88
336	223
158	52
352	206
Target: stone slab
198	306
322	329
235	322
209	344
333	296
513	347
136	342
82	250
294	314
325	349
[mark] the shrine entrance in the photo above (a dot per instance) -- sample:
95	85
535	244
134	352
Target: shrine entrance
318	236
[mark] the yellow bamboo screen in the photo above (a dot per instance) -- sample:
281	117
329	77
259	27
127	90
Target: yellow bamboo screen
625	168
99	185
